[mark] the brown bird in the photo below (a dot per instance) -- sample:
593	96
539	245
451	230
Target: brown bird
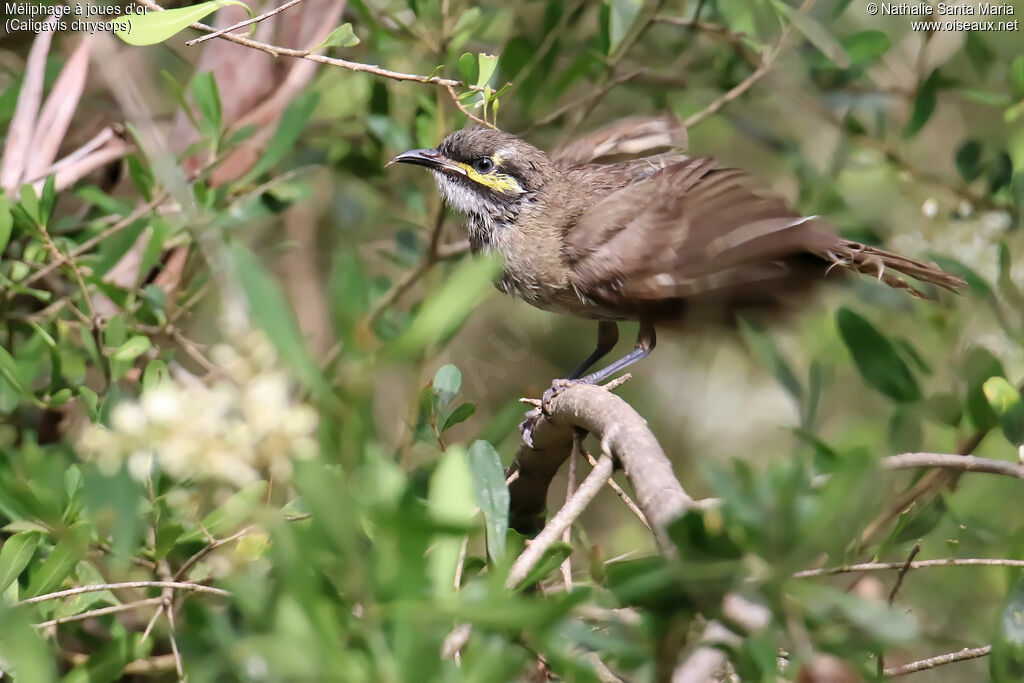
661	239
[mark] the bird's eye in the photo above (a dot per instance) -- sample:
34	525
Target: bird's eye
483	165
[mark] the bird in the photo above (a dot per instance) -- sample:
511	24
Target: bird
621	225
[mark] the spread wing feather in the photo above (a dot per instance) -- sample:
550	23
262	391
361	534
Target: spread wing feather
696	230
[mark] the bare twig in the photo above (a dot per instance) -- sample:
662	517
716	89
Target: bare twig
892	597
743	86
941	660
87	245
277	51
100	611
967	463
919	564
633	507
570	489
903	572
175	585
246	22
458	103
562	520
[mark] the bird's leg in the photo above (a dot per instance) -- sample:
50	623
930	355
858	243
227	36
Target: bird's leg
606	334
607	338
645	341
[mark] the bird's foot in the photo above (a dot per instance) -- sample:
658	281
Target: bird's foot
529	424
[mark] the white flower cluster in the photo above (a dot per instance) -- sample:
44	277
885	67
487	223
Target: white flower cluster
242	426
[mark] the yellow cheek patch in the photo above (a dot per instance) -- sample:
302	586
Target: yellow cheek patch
496	181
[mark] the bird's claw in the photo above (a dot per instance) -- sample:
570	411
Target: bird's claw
529	424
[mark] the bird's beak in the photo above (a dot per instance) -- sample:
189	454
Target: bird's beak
430	158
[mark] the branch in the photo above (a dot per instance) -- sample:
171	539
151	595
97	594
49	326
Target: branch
932	662
919	564
174	585
322	59
624	436
562	520
967	463
246	22
743	86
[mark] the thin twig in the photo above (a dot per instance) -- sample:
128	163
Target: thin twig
277	51
967	463
892	597
743	86
621	493
941	660
570	489
562	520
206	550
93	588
246	22
919	564
87	245
467	112
100	611
903	572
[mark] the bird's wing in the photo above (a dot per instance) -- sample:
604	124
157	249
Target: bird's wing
632	137
690	228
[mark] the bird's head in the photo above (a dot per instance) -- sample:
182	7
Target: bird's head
484	174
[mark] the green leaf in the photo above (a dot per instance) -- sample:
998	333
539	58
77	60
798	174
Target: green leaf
876	358
450	502
293	122
1007	660
61	561
469	67
24	653
1017	77
1005	401
155	374
107	662
29	203
1001	174
770	356
968	160
16	553
488	63
447	381
207	99
621	18
6	223
924	105
230	514
343	36
442	314
865	46
551	560
132	349
460	414
91	400
492	496
271	310
979	366
815	33
155	27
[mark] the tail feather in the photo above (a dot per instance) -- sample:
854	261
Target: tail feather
869	260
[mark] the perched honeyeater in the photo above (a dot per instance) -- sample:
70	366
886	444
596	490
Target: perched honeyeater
664	239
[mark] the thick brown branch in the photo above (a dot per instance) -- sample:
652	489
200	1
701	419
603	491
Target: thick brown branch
624	435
